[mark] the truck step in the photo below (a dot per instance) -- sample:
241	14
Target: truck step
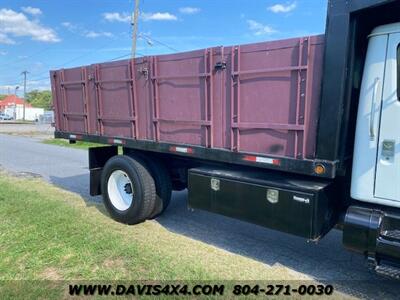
388	271
383	254
393	235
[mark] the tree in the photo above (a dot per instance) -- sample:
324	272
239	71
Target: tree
41	99
2	96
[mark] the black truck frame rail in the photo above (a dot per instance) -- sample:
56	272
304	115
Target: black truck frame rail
319	168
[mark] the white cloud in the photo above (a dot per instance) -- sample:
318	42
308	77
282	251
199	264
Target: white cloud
158	16
260	29
282	8
95	34
126	18
189	10
31	10
40	85
2	53
117	17
78	29
4	39
69	25
18	25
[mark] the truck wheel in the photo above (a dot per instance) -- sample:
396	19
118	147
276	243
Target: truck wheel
163	186
128	190
163	183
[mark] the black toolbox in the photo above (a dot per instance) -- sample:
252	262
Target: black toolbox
289	204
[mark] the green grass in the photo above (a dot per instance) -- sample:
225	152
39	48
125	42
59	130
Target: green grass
65	143
49	234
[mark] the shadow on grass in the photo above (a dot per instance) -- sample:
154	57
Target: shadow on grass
326	261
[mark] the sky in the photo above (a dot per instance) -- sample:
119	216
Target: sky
40	35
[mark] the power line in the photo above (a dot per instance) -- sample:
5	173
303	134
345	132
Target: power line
25	58
89	53
60	66
69	61
120	57
123	56
159	42
134	41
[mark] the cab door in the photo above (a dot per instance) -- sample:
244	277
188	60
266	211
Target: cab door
368	120
387	177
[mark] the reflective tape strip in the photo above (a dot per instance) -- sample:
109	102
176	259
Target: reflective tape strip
181	149
263	160
75	137
116	141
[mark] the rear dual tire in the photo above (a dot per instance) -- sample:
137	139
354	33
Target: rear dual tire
163	183
129	190
135	188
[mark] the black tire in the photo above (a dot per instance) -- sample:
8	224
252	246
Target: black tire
162	181
143	189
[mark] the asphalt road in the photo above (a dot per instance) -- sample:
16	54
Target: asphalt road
325	261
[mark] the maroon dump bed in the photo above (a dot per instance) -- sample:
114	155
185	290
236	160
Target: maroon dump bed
259	98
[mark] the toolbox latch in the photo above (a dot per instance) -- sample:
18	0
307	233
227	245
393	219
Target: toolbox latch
215	184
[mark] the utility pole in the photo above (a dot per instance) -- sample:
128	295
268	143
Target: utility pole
15	105
23	107
135	26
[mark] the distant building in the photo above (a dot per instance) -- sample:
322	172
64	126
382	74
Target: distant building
11	101
14	107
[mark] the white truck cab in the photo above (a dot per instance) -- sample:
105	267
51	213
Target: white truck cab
376	159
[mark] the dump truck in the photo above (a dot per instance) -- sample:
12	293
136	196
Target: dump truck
299	135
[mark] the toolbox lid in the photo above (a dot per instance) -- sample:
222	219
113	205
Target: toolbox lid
262	177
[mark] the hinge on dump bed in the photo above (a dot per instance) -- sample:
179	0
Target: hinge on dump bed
145	72
220	65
